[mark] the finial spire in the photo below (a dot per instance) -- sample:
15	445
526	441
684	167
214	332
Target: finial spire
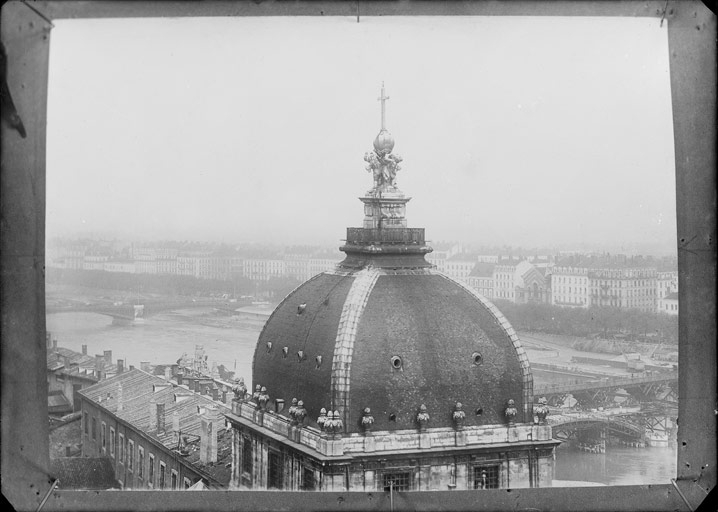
383	99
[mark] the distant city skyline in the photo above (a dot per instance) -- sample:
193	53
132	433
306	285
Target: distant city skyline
523	132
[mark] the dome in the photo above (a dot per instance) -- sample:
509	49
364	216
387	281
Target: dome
392	340
386	331
384	142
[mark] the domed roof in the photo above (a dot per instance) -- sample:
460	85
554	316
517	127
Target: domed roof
384	330
392	340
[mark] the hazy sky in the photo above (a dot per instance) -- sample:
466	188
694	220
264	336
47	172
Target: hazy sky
514	130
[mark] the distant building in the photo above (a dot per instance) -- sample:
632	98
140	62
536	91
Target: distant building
67	373
666	284
669	304
519	281
570	286
156	433
481	279
118	265
623	287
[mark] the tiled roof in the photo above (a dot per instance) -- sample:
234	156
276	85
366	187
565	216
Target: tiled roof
55	358
84	473
139	388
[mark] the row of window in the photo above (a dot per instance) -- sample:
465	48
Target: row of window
484	476
123	450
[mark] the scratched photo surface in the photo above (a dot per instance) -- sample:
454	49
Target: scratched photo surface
201	169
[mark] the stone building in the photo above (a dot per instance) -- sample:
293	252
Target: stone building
385	373
156	433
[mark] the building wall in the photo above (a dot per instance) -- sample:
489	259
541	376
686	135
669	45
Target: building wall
519	467
570	287
124	451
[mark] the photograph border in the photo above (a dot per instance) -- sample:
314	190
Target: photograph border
26	480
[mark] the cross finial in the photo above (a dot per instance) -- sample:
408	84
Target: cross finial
383	99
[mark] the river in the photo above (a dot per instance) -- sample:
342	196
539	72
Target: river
163	338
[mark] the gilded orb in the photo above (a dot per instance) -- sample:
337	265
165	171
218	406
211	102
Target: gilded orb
384	142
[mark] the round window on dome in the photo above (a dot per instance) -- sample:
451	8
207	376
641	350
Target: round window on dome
396	362
476	359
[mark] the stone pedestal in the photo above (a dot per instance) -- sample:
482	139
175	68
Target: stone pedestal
460	438
384	209
369	443
424	440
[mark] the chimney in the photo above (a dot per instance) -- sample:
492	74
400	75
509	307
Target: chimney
108	357
179	378
175	427
168	372
66	362
132	367
145	366
161	418
120	398
209	422
99	366
84	350
120	366
48	339
153	415
215	393
68	451
54	343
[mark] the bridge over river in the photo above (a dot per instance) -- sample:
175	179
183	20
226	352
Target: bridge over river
642	381
133	312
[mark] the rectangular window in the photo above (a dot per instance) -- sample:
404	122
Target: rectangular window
103	436
94	429
151	471
87	423
140	462
274	471
130	455
174	479
398	481
486	477
162	475
121	457
308	483
112	442
247	455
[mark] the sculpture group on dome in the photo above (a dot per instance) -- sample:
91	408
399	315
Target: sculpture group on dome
383	164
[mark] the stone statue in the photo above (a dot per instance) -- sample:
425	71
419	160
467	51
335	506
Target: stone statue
458	416
300	413
257	392
338	424
383	166
263	398
542	410
367	420
239	389
423	417
510	412
321	420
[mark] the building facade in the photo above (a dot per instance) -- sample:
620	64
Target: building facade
157	433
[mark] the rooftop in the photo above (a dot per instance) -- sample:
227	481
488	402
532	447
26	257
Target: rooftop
137	392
